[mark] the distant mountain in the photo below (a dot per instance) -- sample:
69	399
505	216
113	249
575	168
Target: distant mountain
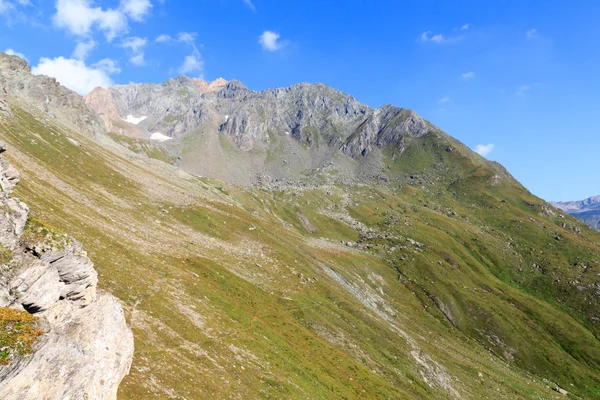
587	210
222	129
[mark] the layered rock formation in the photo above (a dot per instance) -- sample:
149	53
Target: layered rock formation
224	130
87	348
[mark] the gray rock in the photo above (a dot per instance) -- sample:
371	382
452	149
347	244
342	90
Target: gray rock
86	348
312	125
76	272
83	355
36	286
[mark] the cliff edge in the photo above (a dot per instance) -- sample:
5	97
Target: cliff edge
86	348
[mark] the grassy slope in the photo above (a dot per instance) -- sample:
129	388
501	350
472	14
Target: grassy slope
230	295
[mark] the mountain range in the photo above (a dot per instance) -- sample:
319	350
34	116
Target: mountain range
295	243
587	210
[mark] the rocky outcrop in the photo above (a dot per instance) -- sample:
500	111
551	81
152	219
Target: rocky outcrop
47	95
87	348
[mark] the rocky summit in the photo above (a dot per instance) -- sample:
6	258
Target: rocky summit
289	243
223	130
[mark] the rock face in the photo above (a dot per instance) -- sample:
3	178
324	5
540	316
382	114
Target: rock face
587	210
87	348
45	93
224	130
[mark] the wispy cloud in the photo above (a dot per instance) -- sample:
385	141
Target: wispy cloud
468	75
523	90
10	6
182	37
465	27
136	47
192	63
82	49
532	34
270	41
438	38
430	37
249	4
164	38
484	149
444	100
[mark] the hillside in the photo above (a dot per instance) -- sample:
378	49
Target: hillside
587	210
366	254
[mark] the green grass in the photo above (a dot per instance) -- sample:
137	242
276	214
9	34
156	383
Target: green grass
5	255
18	334
142	146
230	295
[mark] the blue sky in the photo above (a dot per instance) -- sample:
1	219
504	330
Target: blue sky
517	80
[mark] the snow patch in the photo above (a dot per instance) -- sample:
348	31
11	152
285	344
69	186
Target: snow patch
133	120
159	137
287	133
226	118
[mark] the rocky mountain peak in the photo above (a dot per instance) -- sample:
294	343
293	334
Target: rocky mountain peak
46	94
14	64
209	87
233	89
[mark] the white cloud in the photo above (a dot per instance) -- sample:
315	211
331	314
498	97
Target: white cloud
138	59
74	74
269	41
82	49
522	90
186	37
136	46
164	38
107	65
182	37
532	34
5	6
431	37
444	100
11	52
8	6
134	43
249	4
192	63
79	17
439	38
137	10
484	149
468	75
